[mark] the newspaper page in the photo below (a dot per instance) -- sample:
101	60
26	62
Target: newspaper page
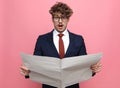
60	72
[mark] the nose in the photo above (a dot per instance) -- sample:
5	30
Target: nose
60	20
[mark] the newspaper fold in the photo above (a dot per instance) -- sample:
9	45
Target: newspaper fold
60	72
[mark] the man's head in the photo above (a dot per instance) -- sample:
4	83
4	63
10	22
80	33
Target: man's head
61	13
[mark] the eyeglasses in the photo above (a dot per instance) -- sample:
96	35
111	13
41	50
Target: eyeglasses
58	18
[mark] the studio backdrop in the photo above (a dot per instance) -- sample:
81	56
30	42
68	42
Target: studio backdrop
22	21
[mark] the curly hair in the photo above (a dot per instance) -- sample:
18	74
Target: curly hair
62	8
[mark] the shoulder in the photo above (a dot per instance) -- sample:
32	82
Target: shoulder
45	36
75	36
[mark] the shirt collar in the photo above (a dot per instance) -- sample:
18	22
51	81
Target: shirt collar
56	32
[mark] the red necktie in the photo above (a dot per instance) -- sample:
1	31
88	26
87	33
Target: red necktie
61	46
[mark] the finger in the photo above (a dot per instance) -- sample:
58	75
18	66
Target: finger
98	63
96	66
96	71
24	72
23	67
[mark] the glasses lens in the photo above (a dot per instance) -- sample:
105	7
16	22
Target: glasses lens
58	18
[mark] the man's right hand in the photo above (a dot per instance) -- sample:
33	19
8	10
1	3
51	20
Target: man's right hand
24	70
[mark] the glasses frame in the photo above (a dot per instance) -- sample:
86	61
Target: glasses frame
58	18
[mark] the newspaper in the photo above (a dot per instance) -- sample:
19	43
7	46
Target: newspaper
60	72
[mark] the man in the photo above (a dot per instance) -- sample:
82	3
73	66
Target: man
50	44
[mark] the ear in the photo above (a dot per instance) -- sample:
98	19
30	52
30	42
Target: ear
52	19
68	19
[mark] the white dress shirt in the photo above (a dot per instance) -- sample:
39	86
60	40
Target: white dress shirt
65	38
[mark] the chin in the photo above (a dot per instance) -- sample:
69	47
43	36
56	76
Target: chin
60	31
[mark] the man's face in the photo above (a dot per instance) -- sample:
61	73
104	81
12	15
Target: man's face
60	22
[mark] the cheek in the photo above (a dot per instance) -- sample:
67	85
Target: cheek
66	23
55	23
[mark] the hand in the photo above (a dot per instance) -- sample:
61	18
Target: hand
24	70
96	67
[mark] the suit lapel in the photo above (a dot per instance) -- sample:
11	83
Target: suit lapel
52	46
71	44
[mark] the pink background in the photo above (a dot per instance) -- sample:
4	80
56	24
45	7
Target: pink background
21	22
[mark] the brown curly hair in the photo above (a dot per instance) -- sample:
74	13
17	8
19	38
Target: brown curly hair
62	8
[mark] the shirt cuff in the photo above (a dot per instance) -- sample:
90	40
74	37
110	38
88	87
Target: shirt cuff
26	76
93	73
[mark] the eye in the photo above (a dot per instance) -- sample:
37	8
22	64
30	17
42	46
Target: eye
55	17
63	17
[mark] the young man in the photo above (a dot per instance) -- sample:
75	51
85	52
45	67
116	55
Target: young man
49	44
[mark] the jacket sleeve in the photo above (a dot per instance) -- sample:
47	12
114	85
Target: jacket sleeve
38	49
83	52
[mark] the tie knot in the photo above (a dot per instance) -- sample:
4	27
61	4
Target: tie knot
60	35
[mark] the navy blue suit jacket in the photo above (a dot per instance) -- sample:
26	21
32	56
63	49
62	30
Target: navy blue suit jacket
45	47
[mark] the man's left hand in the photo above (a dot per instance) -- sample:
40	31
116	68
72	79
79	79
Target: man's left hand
96	67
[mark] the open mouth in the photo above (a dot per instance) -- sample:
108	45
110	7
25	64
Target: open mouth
60	25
